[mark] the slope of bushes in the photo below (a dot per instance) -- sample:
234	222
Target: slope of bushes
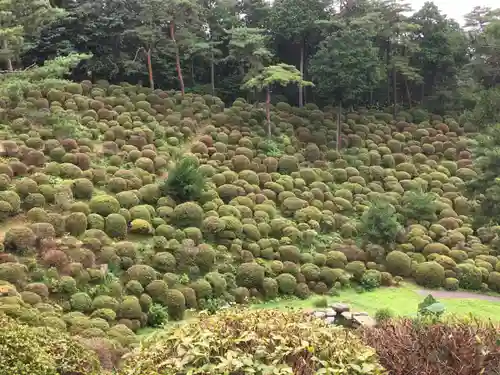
158	203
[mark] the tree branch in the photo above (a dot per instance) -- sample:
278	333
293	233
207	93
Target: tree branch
137	53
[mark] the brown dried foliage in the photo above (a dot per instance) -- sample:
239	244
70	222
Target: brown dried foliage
108	353
458	347
55	258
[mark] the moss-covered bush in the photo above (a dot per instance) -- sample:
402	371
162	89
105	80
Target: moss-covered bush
176	304
76	223
398	263
250	275
115	226
187	214
469	276
81	302
19	240
286	283
104	205
142	273
430	274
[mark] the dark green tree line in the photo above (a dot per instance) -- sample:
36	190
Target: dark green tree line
420	58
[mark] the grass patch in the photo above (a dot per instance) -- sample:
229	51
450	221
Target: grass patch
148	331
403	301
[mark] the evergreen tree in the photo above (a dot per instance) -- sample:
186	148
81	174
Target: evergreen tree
346	67
295	22
281	74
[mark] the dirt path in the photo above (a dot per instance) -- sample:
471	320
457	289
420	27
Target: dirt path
458	294
186	147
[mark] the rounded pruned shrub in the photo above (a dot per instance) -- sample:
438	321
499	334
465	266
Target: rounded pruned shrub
398	263
116	226
19	240
76	223
469	276
104	205
286	283
450	283
142	273
187	214
430	274
250	275
176	304
82	188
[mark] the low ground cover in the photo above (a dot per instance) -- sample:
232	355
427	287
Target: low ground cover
403	301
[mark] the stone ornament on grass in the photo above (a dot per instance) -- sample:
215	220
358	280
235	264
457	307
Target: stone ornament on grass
340	314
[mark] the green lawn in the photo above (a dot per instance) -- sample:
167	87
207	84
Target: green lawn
403	301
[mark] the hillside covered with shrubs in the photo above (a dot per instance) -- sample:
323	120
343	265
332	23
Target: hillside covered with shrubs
125	207
104	246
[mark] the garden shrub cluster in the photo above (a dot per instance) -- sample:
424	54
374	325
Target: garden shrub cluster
43	351
268	342
161	203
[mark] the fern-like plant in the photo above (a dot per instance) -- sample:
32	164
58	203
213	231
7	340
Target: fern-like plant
379	224
417	205
185	182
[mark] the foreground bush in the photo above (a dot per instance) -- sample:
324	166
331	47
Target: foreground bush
42	351
253	341
452	348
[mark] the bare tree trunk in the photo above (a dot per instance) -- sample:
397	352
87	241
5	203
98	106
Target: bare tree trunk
301	88
268	111
212	73
193	79
388	62
177	57
394	90
339	114
8	60
150	69
408	93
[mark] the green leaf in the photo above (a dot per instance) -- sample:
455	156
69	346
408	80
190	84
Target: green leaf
436	308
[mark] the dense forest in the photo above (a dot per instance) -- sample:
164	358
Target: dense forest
356	52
